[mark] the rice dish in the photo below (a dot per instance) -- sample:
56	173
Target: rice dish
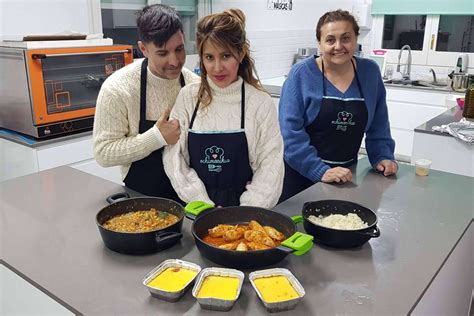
351	221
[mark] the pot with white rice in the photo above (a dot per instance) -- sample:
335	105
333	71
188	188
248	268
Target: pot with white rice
340	224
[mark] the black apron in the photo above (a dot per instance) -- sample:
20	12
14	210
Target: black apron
336	133
147	175
221	160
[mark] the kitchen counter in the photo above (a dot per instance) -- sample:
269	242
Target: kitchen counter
21	155
35	143
49	235
452	115
274	86
456	156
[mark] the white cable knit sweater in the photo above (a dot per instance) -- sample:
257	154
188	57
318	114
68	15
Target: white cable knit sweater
265	144
116	122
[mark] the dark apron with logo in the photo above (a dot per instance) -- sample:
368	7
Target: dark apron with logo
336	133
147	175
221	160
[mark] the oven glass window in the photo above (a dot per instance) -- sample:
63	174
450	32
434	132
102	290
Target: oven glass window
73	82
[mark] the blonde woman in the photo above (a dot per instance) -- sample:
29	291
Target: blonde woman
231	150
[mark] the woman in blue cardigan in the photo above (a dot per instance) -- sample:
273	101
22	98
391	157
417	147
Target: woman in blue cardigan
327	105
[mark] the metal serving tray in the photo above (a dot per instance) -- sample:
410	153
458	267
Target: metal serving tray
278	306
216	303
170	263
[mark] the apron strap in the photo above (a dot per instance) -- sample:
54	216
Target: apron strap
242	109
242	106
355	74
324	78
357	80
181	80
194	114
143	76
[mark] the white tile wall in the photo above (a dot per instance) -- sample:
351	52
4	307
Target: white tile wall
274	51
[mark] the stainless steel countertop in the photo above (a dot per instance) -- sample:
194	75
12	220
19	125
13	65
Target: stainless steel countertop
452	115
49	234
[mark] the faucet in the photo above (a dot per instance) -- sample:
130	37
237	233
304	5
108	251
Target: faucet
406	74
434	75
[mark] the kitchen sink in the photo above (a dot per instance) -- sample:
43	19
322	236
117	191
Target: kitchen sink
417	83
423	83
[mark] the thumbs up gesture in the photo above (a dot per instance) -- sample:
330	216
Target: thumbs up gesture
169	129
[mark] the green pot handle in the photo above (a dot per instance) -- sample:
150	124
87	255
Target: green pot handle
297	219
197	207
301	243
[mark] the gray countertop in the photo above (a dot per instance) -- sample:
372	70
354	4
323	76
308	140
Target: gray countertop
49	234
452	115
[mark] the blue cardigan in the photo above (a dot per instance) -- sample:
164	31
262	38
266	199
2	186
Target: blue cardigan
300	103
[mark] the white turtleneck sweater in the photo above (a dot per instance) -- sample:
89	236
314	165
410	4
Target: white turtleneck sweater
265	144
117	115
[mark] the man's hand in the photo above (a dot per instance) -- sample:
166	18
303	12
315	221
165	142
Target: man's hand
338	175
387	167
169	129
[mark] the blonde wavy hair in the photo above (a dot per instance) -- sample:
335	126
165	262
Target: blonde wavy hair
226	30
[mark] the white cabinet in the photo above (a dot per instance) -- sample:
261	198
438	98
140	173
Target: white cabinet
19	159
408	108
92	167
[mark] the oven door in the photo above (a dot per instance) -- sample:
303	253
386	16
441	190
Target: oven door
65	82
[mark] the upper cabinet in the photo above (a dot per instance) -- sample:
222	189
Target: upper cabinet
437	32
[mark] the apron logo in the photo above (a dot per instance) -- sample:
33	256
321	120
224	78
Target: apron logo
214	159
343	119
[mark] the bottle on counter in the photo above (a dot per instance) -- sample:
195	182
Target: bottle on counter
197	68
468	111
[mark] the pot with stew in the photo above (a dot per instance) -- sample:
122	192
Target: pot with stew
142	225
245	237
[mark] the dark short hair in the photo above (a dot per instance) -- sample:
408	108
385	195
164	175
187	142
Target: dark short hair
335	16
157	23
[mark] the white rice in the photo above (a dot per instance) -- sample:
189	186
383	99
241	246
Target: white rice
351	221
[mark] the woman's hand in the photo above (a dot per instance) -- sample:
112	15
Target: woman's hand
337	174
387	167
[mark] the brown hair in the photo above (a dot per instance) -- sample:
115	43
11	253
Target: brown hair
335	16
227	30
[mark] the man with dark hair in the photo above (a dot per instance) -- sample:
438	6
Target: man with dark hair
132	124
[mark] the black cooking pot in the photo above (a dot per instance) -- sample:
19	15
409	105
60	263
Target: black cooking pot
339	238
206	217
139	243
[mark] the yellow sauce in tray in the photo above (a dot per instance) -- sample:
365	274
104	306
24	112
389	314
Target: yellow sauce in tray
221	287
172	279
275	289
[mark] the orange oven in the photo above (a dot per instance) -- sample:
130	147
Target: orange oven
49	92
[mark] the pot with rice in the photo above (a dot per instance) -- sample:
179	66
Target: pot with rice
339	224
